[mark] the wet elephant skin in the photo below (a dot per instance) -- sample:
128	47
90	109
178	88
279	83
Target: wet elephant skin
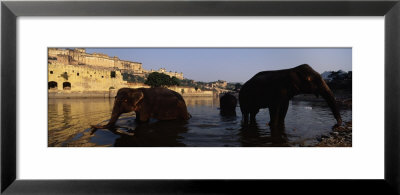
228	104
274	89
158	103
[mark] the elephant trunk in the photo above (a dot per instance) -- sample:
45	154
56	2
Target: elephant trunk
114	117
327	94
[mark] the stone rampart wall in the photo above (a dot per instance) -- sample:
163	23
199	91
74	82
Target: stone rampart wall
83	78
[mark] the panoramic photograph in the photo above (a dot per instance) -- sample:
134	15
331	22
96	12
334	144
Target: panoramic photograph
199	97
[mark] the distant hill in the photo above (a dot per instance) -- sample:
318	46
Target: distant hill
338	79
325	75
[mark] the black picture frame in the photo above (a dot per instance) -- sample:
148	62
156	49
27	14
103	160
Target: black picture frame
10	10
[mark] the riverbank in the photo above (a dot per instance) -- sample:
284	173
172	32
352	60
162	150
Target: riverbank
339	137
78	94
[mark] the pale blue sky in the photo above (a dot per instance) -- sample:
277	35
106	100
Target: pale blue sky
232	64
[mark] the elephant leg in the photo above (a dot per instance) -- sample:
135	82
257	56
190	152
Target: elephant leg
278	127
273	115
279	136
245	118
253	117
282	112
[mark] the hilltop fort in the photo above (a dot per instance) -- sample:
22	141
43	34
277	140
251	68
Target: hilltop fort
81	71
73	71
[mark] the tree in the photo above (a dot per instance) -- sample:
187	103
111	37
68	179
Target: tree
156	79
339	80
237	86
175	81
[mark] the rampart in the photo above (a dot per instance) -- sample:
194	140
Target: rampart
97	60
83	78
77	74
80	57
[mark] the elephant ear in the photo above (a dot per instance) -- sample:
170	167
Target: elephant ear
136	97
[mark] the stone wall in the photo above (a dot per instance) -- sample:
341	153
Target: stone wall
138	85
79	56
83	78
190	91
183	90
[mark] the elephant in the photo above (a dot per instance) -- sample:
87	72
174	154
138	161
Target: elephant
274	89
159	103
228	104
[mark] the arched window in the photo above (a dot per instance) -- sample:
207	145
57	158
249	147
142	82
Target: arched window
52	85
67	86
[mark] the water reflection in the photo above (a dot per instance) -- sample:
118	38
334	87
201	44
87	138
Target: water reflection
160	133
202	101
68	117
252	135
70	120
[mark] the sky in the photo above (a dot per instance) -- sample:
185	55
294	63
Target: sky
232	64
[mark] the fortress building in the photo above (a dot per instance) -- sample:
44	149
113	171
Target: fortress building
76	70
169	73
95	60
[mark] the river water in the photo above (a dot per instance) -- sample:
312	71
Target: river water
70	119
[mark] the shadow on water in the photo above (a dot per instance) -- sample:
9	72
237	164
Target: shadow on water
228	118
252	135
156	134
